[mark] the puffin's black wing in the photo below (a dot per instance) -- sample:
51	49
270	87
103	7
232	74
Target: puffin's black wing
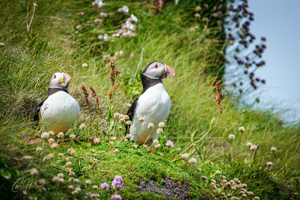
131	112
37	111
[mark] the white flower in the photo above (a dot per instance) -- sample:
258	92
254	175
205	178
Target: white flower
54	146
61	180
273	149
128	105
45	135
121	120
55	179
134	146
134	18
159	131
70	187
129	25
253	147
150	125
78	189
198	169
120	127
192	161
145	146
34	172
161	124
60	135
117	115
100	3
121	54
105	37
242	129
157	146
76	180
126	117
2	45
203	177
129	123
218	172
39	149
185	156
71	179
111	143
155	142
249	144
116	151
113	138
60	175
84	65
51	141
128	136
69	164
71	174
95	187
125	9
231	137
50	156
269	164
141	119
51	133
88	182
72	137
82	126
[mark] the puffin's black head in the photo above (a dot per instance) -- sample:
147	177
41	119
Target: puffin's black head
158	70
60	80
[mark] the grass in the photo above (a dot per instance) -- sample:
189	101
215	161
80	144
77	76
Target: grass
54	44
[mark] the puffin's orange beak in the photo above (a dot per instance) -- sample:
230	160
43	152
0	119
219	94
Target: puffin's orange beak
68	78
170	72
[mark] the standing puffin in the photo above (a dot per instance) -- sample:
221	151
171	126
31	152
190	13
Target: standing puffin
153	105
59	111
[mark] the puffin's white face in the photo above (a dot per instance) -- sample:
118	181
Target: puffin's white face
60	80
158	70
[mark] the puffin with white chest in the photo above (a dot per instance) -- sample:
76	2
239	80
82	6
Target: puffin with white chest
60	110
153	105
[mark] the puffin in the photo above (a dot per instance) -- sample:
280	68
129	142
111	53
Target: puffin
60	110
153	105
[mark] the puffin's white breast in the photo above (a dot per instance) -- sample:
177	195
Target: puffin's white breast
59	112
154	105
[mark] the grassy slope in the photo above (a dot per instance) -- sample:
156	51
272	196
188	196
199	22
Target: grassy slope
28	61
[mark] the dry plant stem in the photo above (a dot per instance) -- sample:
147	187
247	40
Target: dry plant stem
119	143
148	136
139	63
194	143
28	25
240	142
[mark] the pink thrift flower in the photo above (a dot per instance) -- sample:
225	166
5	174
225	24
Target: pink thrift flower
95	140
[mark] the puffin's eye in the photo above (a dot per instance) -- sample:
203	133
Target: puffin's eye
156	66
54	76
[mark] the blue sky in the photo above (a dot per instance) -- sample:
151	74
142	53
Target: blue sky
279	22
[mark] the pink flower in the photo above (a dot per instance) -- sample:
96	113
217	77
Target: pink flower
104	186
95	140
120	10
89	22
80	14
169	143
97	21
94	3
101	37
103	15
130	19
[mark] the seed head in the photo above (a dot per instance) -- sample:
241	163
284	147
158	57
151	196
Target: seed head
69	164
120	127
128	123
161	124
150	125
256	198
45	135
218	172
203	177
128	105
159	131
95	187
155	142
253	147
141	119
54	146
192	161
273	149
76	180
113	138
78	189
51	141
117	115
55	179
84	65
39	149
197	15
88	182
74	193
60	175
82	126
126	117
249	193
128	136
70	187
145	146
72	137
269	164
71	173
249	144
34	172
61	180
51	133
134	146
198	8
242	129
185	156
157	146
116	151
231	137
71	179
122	120
111	143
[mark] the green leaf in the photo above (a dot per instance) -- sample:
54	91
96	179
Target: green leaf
111	126
193	134
109	114
5	173
175	149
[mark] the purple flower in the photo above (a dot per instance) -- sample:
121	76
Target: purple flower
94	3
129	19
103	15
116	197
120	10
80	14
97	21
104	186
117	182
169	143
89	194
